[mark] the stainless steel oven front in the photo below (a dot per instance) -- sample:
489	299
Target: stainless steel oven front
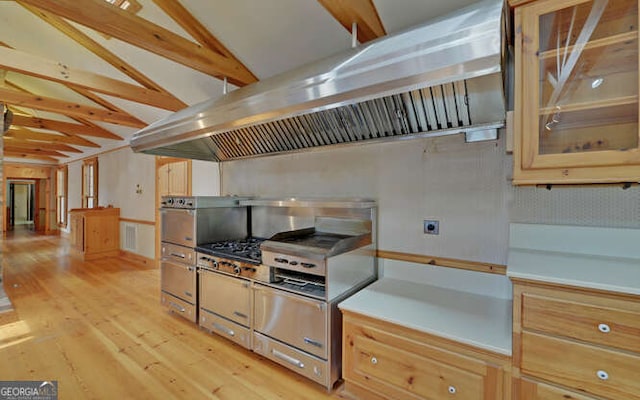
202	225
178	280
225	306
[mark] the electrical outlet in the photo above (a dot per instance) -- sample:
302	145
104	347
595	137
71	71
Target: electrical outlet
431	227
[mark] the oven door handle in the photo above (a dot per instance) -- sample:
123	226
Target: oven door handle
286	358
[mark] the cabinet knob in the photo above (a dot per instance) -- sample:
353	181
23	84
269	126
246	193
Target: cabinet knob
604	328
452	389
374	360
602	375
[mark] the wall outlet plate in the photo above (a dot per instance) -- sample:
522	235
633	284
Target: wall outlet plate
431	227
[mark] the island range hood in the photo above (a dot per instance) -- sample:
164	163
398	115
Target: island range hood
442	77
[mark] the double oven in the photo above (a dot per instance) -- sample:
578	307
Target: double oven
185	223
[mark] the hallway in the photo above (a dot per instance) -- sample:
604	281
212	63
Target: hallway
98	329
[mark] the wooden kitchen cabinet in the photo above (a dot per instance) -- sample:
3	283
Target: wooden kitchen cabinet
573	343
95	232
387	361
576	92
173	178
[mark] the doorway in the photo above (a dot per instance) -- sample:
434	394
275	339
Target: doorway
22	205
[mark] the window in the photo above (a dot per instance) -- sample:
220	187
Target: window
90	183
61	195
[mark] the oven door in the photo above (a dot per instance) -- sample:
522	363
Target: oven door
178	280
293	319
226	296
178	226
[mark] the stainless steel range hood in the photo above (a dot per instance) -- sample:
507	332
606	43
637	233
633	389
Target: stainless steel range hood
442	77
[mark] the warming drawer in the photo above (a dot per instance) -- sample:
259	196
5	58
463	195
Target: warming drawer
223	327
293	319
294	359
179	254
178	306
178	280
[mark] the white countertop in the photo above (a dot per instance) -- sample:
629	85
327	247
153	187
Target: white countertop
476	320
590	257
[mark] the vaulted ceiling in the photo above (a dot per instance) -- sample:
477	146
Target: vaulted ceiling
81	76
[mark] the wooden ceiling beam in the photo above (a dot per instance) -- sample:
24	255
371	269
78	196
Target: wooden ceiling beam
362	12
120	24
200	33
23	155
36	151
104	103
28	64
88	128
94	47
26	134
19	99
30	144
63	127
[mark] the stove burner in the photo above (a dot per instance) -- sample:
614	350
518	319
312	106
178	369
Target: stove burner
247	250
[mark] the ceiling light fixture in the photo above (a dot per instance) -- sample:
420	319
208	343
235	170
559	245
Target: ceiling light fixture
597	82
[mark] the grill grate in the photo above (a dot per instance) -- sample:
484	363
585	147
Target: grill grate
419	111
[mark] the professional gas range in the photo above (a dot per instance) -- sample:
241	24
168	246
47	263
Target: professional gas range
278	297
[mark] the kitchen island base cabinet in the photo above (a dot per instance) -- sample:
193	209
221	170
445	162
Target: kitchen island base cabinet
387	361
95	232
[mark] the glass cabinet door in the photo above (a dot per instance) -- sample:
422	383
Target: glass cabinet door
579	87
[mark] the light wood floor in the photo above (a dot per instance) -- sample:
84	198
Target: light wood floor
99	330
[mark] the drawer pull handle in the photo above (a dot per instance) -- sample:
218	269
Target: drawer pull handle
287	358
176	306
374	360
452	389
602	375
224	329
604	328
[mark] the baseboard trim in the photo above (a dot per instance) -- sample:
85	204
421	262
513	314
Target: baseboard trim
137	258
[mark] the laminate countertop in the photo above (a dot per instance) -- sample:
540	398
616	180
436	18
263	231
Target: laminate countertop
480	321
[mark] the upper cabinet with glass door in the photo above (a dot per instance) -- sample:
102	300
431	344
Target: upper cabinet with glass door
576	104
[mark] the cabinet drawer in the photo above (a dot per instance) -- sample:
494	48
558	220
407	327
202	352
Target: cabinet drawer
179	306
595	370
398	368
607	326
232	331
301	362
539	391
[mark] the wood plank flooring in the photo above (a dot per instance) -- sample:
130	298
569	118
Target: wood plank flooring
99	330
